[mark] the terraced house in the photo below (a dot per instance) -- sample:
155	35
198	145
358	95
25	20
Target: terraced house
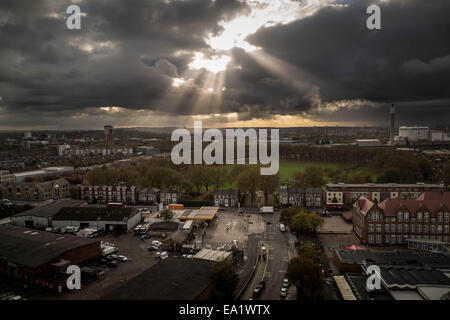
35	191
104	194
393	221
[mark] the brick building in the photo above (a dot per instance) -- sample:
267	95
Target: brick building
35	191
149	195
226	198
305	197
348	193
393	221
104	194
169	196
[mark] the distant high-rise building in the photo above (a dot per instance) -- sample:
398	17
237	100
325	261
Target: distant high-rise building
27	135
391	130
109	135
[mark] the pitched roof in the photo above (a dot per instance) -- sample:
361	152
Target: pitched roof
48	211
432	203
364	204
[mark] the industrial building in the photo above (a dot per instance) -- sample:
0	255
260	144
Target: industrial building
173	278
414	133
110	219
41	258
213	255
48	172
368	142
41	216
7	177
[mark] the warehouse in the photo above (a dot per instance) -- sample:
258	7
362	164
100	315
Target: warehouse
41	216
110	219
171	279
41	258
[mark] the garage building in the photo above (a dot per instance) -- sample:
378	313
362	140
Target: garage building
110	219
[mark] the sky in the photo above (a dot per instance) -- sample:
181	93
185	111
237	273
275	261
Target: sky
229	63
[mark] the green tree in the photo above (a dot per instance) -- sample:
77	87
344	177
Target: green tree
269	184
166	214
304	272
305	222
248	181
225	278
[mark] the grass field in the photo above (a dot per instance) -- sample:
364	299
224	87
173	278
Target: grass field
288	167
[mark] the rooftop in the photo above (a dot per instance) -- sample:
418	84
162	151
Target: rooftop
33	248
173	278
48	211
95	214
212	255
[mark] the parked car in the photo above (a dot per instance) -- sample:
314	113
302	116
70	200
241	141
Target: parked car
285	283
283	292
152	248
241	211
156	243
163	255
145	236
112	264
114	256
157	254
122	258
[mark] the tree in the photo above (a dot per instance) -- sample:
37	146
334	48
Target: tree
269	184
218	175
225	278
304	272
166	214
248	181
305	222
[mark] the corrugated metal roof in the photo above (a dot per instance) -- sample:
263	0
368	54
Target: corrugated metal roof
344	288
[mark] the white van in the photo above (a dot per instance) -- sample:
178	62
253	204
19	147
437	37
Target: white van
282	228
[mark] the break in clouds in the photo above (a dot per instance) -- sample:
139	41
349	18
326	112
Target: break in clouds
162	62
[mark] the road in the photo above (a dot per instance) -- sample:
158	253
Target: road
280	249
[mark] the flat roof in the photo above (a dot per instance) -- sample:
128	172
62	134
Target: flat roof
204	213
344	288
173	278
95	214
33	248
382	185
212	255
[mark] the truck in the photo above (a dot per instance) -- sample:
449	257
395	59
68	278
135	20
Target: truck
266	210
175	206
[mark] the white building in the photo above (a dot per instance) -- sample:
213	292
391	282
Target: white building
368	142
440	136
414	133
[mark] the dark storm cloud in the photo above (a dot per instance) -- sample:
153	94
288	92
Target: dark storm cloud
124	55
129	51
407	60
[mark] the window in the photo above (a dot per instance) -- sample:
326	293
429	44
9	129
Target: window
386	227
419	228
400	216
419	216
439	216
425	228
405	228
413	228
371	239
406	216
432	228
392	227
379	238
379	227
439	229
446	229
371	229
446	216
426	216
